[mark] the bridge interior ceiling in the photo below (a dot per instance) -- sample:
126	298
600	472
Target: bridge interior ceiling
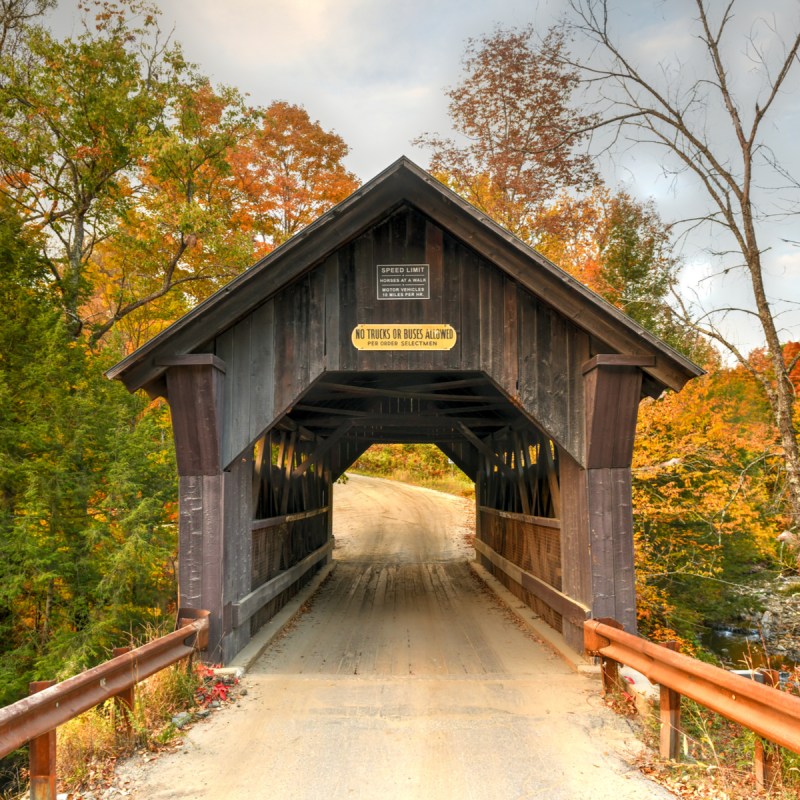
513	463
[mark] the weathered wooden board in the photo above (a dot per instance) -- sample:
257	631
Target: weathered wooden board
274	354
521	372
253	602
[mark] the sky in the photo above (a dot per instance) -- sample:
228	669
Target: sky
375	72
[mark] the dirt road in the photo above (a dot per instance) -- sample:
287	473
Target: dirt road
405	679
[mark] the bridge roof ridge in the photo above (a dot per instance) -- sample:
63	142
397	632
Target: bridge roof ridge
403	183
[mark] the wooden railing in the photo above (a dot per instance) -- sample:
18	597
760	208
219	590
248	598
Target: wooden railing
35	718
772	714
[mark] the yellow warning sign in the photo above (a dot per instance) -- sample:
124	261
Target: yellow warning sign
403	337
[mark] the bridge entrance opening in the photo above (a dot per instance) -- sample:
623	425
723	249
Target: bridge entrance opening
404	315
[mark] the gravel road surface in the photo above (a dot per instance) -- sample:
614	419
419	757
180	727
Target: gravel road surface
405	678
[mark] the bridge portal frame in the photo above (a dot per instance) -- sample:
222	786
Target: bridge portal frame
535	398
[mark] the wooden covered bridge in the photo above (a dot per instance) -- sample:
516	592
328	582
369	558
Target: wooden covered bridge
404	315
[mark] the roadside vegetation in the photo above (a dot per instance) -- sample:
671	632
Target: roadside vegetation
716	760
132	187
419	464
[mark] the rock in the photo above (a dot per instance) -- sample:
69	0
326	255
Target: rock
215	704
229	672
181	720
242	692
202	714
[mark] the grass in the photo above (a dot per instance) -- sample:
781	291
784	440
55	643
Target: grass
89	745
717	759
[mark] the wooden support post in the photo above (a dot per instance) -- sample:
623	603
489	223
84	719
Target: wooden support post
42	754
124	700
766	756
670	711
609	669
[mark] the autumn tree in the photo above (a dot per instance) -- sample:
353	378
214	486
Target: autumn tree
706	490
620	248
708	122
289	173
15	17
520	139
75	116
181	238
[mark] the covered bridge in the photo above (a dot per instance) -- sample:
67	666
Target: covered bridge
404	315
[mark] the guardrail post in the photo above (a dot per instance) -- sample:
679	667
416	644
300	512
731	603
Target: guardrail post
766	754
609	669
124	700
670	712
42	756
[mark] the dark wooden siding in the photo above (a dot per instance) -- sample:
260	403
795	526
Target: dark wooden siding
529	350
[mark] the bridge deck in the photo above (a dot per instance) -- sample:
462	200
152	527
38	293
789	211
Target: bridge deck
405	679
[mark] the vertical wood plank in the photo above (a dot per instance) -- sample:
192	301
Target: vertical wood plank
575	548
237	550
348	312
262	370
315	335
470	310
333	343
236	429
510	332
451	299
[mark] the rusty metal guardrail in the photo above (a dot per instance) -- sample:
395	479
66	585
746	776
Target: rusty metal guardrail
35	717
770	713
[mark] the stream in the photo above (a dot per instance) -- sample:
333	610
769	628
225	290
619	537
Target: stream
767	635
737	649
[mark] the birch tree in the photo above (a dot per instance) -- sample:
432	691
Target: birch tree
708	122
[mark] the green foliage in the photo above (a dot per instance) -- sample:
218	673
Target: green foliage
421	464
87	487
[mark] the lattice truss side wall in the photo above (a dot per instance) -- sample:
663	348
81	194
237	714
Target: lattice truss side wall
518	508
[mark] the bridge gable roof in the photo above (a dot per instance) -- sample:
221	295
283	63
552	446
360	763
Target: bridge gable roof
404	183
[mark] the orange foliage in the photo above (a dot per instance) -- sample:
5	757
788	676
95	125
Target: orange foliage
289	173
706	474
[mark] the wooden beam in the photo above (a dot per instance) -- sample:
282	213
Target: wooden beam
542	522
323	449
552	478
286	468
483	407
195	395
192	360
458	457
274	522
258	598
370	391
520	462
455	384
570	609
406	420
260	451
485	449
618	360
346	412
612	394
